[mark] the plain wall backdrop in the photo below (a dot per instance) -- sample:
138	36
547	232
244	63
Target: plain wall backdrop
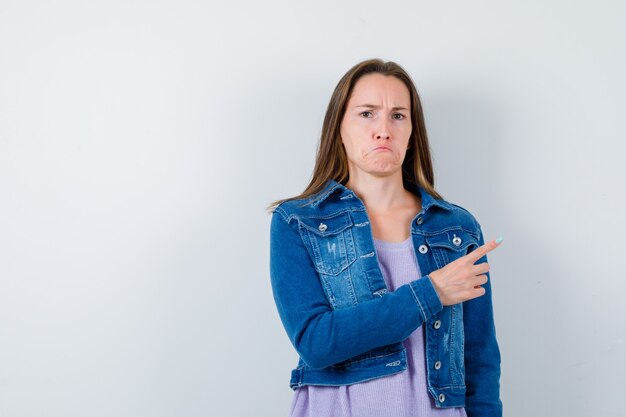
140	142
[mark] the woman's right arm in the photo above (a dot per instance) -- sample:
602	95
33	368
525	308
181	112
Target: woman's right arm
323	336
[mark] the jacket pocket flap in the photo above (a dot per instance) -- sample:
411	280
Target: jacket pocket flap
456	240
327	226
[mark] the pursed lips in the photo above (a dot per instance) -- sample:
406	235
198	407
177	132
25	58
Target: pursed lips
379	148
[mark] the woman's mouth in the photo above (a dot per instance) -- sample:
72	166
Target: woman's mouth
380	148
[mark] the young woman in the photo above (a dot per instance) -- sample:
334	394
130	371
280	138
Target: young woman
382	285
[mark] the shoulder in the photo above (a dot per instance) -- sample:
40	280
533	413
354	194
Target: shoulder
465	215
293	208
302	214
325	202
450	215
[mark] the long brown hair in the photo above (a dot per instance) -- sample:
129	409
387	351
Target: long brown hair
331	161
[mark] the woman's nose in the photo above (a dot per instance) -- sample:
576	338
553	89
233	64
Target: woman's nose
382	131
383	136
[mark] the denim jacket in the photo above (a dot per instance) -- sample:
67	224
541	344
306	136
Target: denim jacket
345	324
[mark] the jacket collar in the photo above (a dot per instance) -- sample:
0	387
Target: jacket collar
333	187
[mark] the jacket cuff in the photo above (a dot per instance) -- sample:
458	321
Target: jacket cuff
426	297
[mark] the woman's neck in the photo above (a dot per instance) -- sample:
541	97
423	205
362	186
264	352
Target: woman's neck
381	193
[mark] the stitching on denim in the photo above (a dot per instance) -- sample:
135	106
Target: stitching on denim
451	386
328	216
368	255
418	302
352	291
439	261
474	233
323	196
343	228
369	358
387	373
454	371
282	213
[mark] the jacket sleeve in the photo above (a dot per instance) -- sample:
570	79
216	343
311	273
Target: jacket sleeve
321	335
482	355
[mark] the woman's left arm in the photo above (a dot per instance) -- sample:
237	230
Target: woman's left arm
482	354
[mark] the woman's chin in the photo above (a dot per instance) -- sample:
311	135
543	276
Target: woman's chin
385	170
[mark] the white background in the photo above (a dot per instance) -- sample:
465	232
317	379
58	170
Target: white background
140	142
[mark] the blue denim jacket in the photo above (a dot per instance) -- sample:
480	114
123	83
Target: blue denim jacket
345	324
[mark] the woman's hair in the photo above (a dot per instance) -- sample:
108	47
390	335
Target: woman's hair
331	161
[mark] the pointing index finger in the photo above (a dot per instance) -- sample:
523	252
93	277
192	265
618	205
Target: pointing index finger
481	251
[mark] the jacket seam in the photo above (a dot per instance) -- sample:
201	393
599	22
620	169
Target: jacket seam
367	359
418	303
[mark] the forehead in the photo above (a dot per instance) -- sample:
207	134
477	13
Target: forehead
378	87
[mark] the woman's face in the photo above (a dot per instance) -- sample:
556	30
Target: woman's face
376	126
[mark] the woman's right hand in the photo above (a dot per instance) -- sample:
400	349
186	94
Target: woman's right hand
461	280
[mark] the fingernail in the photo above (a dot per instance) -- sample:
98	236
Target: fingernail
499	239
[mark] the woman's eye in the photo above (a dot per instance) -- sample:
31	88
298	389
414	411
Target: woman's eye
366	113
400	116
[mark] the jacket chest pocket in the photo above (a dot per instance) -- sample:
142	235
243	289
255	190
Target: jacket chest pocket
330	242
450	245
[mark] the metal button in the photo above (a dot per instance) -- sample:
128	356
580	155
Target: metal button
420	220
322	227
442	397
437	324
456	240
437	365
423	248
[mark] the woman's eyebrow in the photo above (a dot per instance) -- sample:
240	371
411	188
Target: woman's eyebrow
372	106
